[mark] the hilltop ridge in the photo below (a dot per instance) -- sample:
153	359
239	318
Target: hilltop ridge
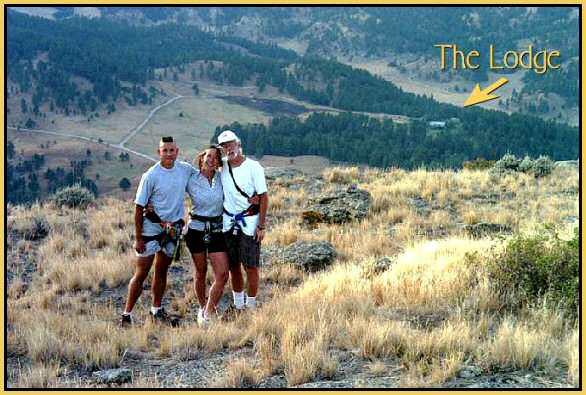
408	302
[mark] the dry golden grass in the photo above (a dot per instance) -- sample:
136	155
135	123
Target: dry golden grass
38	376
431	311
429	274
90	272
60	336
283	200
571	352
516	346
284	275
267	347
342	175
187	340
378	368
378	339
241	373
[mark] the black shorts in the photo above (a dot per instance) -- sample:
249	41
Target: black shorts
242	249
194	241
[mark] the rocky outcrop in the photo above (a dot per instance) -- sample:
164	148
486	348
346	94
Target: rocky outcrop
338	206
113	376
310	256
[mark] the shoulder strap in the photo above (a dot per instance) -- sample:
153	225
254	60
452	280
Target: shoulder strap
234	181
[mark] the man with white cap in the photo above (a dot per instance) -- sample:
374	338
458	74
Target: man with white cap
244	223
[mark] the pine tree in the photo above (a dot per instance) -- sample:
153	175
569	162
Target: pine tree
125	184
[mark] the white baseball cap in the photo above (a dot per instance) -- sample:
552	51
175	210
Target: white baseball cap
226	136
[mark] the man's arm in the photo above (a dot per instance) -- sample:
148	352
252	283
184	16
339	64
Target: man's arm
260	230
138	224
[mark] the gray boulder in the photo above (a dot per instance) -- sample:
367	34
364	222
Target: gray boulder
419	203
375	268
113	376
468	371
310	256
338	206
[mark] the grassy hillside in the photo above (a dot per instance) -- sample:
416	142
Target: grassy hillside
436	317
59	151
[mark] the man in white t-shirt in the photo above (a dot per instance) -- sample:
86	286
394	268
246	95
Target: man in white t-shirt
157	232
244	224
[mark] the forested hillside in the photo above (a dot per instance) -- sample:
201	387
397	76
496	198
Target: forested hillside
358	139
118	59
384	31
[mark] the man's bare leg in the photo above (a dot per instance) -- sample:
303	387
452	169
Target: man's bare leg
236	278
237	281
252	277
143	266
162	263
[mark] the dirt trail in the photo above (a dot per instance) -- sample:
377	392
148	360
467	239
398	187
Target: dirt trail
92	139
137	129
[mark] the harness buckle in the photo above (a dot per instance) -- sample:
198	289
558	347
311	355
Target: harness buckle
207	238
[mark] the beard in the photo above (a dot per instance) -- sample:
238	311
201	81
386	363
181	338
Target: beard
232	154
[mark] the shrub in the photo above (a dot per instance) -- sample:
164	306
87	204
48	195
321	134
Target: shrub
539	167
478	164
508	163
542	166
526	165
538	267
74	196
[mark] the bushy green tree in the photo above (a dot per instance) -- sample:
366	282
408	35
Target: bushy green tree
125	184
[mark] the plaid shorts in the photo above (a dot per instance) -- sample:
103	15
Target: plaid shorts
242	249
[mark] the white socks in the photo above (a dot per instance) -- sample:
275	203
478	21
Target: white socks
155	310
238	299
250	302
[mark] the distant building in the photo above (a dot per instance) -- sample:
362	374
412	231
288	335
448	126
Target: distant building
437	124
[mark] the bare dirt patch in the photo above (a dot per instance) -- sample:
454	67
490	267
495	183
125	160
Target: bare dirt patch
270	106
308	164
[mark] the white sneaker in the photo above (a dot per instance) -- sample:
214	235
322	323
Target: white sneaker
202	319
205	321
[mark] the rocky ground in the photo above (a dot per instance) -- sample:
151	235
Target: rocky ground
201	370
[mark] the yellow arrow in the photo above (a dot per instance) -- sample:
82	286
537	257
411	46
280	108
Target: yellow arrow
480	96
